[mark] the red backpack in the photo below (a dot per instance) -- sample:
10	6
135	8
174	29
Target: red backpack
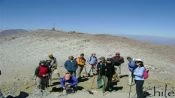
43	70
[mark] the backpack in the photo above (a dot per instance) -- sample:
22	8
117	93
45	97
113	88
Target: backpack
43	70
48	63
146	74
80	61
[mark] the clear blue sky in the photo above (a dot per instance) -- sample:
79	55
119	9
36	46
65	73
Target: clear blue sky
143	17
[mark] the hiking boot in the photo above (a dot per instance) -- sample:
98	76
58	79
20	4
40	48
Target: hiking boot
117	80
105	93
64	92
110	89
131	84
79	79
89	75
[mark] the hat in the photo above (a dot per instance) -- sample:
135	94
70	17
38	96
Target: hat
108	59
71	57
42	62
82	54
138	60
102	58
50	55
117	53
93	53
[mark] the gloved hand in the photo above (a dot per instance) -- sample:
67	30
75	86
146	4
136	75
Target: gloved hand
106	69
67	85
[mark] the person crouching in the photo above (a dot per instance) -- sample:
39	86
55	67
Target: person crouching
69	83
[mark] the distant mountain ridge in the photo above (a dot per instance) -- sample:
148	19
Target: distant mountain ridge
152	39
12	31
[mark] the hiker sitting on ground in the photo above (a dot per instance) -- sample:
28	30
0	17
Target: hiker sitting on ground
139	78
41	73
69	83
102	79
110	72
81	63
92	64
131	66
71	65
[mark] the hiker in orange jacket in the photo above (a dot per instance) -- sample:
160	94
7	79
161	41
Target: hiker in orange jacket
81	61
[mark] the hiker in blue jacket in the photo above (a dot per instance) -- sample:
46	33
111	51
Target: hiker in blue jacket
71	65
139	78
69	82
92	61
131	66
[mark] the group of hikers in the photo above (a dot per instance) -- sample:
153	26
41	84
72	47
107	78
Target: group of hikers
108	70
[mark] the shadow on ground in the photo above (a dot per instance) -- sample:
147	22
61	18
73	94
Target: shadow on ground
55	84
79	88
21	95
122	76
117	88
55	89
146	94
83	79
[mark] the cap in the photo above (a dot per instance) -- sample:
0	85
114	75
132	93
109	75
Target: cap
138	60
82	54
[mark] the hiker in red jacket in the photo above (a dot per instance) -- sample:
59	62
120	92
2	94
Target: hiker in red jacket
42	72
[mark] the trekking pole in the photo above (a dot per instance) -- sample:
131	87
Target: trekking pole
89	91
165	89
130	91
93	81
86	70
130	88
104	83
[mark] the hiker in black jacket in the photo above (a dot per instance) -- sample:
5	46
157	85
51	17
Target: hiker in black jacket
101	77
110	72
105	73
